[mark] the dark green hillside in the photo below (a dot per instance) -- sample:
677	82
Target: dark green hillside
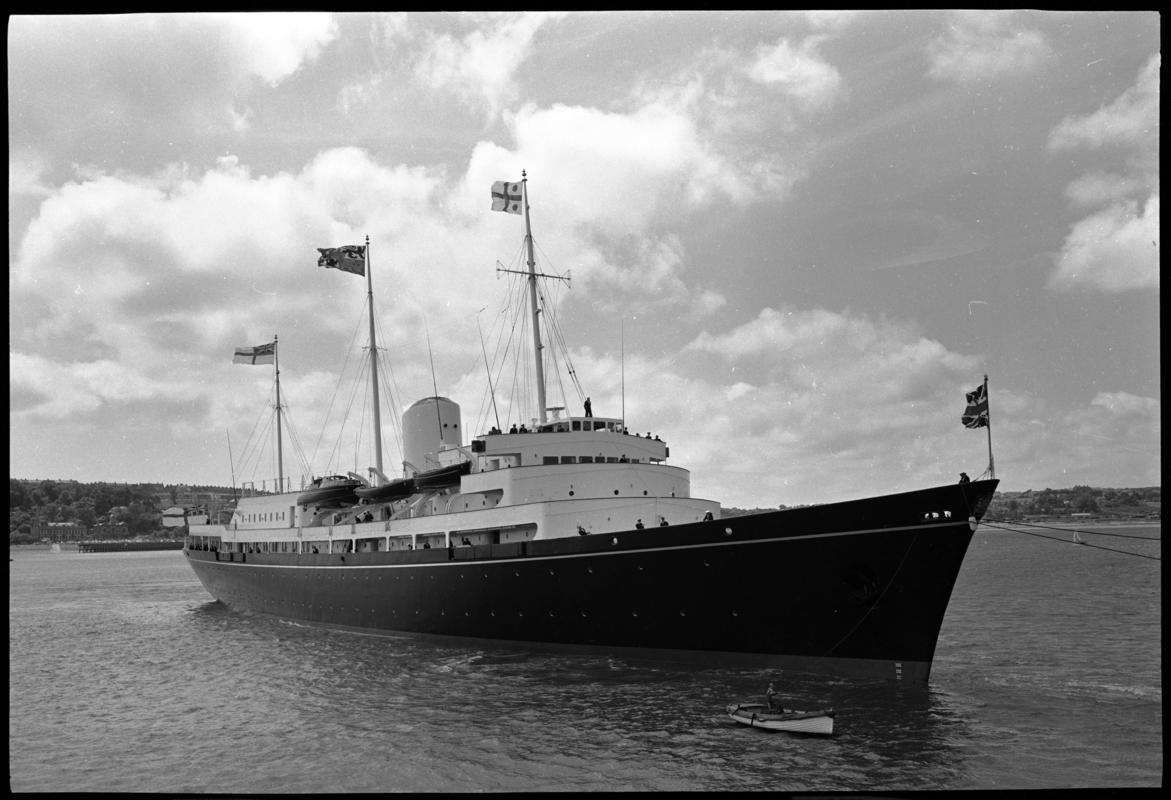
129	509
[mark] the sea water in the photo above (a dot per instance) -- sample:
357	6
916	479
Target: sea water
125	676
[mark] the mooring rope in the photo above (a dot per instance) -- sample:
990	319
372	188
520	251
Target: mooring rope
1005	526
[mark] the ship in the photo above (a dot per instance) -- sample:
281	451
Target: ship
575	534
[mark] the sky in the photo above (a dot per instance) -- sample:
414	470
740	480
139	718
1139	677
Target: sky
790	242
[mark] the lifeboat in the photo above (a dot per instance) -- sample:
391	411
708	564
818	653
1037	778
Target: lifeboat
442	477
333	490
403	487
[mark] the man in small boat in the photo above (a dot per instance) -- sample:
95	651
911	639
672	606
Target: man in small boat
774	702
964	478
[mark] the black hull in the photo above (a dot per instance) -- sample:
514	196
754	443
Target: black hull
857	588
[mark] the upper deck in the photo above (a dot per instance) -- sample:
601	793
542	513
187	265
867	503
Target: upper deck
571	440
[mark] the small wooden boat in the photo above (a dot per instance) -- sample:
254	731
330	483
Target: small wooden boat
758	715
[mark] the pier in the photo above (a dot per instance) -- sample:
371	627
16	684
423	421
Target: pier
126	546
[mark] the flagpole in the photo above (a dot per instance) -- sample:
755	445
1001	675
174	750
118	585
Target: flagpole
988	400
622	362
280	461
373	367
524	183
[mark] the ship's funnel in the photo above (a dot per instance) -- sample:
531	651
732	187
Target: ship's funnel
428	425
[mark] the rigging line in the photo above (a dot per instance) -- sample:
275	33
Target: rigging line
337	449
1094	532
253	441
256	453
393	392
1078	544
296	441
293	438
434	385
556	342
337	387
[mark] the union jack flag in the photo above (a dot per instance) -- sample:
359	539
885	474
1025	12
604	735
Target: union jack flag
976	414
506	197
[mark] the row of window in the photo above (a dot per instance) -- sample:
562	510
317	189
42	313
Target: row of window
265	516
589	460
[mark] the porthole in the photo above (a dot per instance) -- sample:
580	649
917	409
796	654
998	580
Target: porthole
727	531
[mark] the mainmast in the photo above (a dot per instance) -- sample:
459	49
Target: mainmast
537	347
504	198
373	365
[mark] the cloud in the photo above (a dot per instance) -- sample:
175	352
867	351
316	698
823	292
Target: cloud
793	398
798	72
274	45
985	45
1116	248
479	66
91	385
1131	121
148	77
1113	434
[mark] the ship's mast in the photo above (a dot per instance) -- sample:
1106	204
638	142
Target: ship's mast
280	463
540	373
373	366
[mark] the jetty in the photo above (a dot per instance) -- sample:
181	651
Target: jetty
127	546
